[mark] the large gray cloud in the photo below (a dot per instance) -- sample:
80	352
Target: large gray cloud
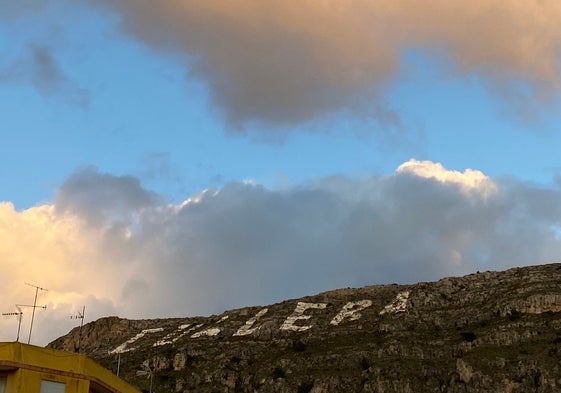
115	247
245	244
268	63
286	62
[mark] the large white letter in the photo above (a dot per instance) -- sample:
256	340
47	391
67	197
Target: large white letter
210	332
351	311
123	347
398	305
298	314
247	329
168	338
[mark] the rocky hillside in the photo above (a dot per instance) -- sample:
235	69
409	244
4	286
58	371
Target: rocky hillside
485	332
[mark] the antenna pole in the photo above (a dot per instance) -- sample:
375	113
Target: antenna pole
20	316
19	325
37	288
79	316
118	363
33	315
81	324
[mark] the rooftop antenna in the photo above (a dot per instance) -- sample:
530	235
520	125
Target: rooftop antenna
37	288
80	316
20	316
33	307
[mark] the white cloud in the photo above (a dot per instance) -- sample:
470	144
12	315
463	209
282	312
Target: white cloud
470	181
55	252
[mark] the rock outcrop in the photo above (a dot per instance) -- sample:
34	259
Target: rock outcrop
485	332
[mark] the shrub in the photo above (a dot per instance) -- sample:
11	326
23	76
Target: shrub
305	387
364	363
298	346
278	373
514	315
468	336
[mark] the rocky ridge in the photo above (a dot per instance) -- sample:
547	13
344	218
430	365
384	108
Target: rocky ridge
484	332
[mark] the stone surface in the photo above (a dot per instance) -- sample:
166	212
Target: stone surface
485	332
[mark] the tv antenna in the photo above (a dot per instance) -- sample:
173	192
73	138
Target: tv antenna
37	289
80	315
19	313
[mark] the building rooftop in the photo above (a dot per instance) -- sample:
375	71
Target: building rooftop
28	368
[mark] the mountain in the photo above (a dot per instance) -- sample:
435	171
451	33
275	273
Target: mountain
485	332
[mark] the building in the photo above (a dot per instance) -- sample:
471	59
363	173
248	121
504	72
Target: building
30	369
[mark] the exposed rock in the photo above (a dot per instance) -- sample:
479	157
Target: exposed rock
464	370
179	361
486	332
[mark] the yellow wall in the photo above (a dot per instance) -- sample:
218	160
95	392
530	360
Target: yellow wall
32	364
26	381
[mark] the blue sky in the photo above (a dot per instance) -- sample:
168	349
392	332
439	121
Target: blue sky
127	109
115	112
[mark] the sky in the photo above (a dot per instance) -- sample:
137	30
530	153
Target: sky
182	158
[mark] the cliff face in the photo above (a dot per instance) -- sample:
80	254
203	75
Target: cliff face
485	332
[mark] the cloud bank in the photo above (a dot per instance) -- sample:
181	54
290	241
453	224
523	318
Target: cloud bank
286	62
107	243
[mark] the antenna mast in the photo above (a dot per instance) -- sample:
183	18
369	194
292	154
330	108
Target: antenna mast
37	288
20	316
80	316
